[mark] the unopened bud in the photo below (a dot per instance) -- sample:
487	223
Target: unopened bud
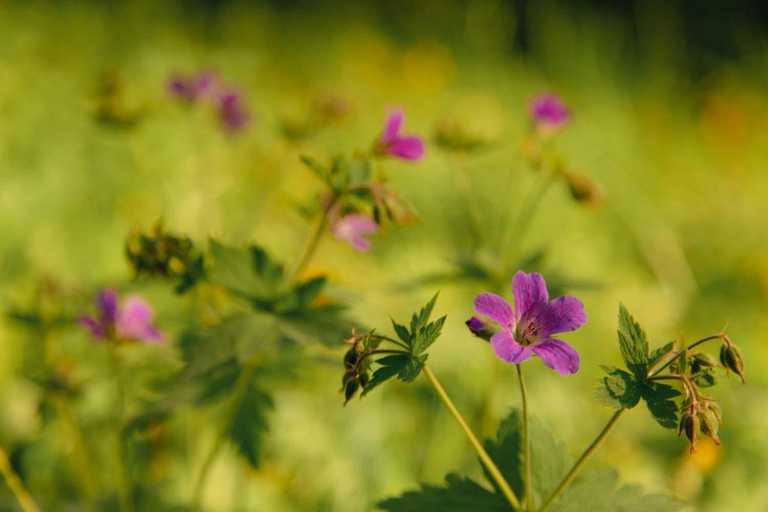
701	360
690	424
481	328
731	359
710	424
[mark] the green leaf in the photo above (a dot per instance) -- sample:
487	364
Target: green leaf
705	379
326	324
599	492
657	353
406	367
246	272
657	397
359	171
402	332
618	389
250	424
459	495
315	167
426	336
633	344
422	318
302	295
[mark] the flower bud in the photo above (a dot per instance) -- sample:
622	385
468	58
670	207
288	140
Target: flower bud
731	359
702	360
481	328
710	424
690	424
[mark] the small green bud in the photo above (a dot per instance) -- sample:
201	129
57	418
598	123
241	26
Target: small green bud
710	424
702	360
481	328
350	389
690	424
731	359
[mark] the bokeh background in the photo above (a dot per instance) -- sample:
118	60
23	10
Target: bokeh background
670	118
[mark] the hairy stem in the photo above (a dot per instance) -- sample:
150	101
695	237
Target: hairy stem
582	460
654	371
16	485
484	457
526	442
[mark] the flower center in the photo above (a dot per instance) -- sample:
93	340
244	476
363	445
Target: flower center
527	335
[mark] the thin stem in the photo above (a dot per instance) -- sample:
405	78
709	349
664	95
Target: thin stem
313	241
526	442
238	395
16	485
654	371
124	488
484	457
81	463
526	215
582	460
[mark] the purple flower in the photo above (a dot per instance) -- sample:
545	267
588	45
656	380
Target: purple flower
407	147
548	112
133	321
528	328
193	88
234	115
351	229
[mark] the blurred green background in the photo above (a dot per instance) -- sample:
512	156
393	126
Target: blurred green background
671	118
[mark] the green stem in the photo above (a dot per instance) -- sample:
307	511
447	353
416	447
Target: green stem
524	218
238	395
654	371
16	485
582	460
313	241
526	442
124	489
81	463
484	457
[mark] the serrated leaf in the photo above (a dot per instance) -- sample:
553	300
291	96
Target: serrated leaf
315	167
426	336
405	366
618	389
302	295
250	424
422	318
657	397
459	495
402	332
633	344
245	272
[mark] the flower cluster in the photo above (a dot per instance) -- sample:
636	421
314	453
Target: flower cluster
133	320
207	87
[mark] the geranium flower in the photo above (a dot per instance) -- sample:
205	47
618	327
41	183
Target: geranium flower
232	112
131	321
548	112
391	142
351	229
528	328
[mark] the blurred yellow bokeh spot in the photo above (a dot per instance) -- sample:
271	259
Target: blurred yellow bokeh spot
429	67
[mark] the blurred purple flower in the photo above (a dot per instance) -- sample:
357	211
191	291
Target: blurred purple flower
351	229
407	147
133	321
191	89
233	113
527	329
548	112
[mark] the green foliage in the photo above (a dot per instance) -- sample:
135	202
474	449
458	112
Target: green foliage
620	389
596	492
249	423
406	365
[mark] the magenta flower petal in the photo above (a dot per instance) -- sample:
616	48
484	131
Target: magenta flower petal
106	302
558	355
135	321
548	112
392	126
531	295
352	228
495	308
507	349
564	314
407	148
93	326
233	113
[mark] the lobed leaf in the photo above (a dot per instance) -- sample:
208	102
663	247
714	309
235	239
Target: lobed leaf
618	389
633	344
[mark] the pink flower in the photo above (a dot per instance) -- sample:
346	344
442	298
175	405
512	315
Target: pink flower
529	327
131	321
407	147
548	112
351	229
